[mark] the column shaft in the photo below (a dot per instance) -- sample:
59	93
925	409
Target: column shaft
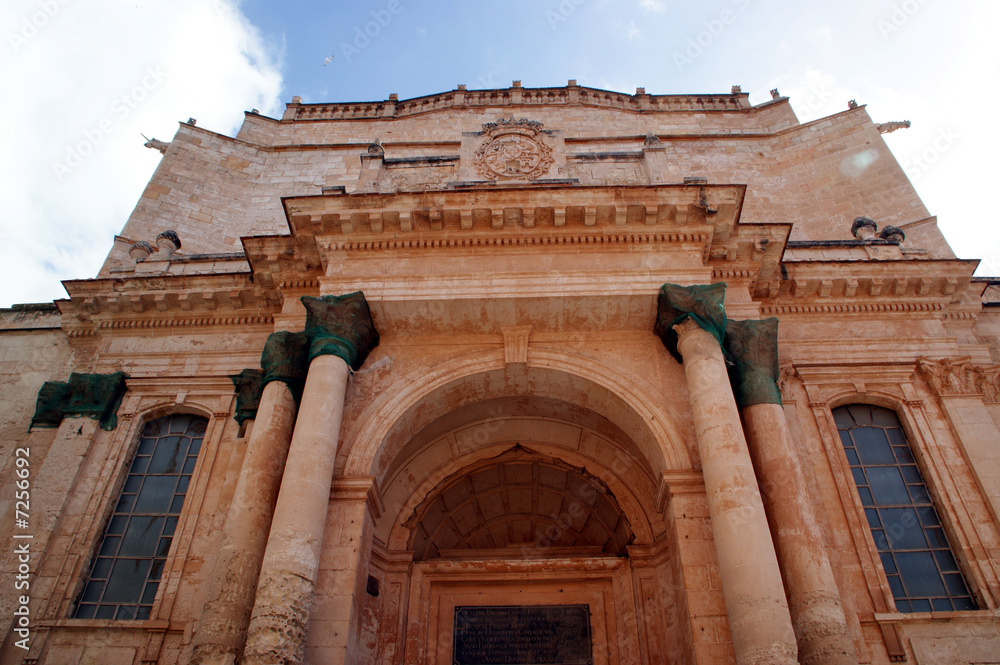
221	632
288	573
814	601
751	581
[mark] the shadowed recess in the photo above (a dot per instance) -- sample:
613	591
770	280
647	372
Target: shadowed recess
520	500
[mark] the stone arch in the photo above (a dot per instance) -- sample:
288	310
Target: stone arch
399	415
424	469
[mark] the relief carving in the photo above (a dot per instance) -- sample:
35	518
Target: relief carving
960	377
513	151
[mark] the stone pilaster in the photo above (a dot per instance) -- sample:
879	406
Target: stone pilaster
221	631
691	321
341	334
814	600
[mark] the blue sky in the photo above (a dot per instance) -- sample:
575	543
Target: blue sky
83	78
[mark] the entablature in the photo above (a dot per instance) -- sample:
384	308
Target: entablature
165	301
865	287
696	223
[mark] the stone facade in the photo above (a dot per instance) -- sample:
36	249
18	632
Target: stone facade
499	348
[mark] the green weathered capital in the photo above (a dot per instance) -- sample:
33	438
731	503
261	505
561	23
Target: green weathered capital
753	348
703	303
248	387
341	326
286	358
94	395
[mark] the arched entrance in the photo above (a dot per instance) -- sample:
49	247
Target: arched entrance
525	488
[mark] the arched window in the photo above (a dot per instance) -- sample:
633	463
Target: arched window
915	553
129	562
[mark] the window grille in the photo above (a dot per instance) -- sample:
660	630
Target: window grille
129	562
916	555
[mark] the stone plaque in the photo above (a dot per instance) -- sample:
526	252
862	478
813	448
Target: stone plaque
522	635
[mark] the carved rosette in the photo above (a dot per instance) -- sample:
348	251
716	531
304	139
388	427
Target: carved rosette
959	376
513	151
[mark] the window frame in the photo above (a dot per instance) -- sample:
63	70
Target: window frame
936	471
112	469
896	550
123	511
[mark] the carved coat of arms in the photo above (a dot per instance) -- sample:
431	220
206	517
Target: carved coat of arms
513	151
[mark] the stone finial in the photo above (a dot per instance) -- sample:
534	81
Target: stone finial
736	90
191	121
852	104
571	83
516	84
753	346
775	94
393	96
651	139
864	228
893	234
376	148
140	250
462	86
296	99
640	91
168	242
341	326
889	127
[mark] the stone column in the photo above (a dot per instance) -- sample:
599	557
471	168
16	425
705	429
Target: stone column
691	321
341	334
814	600
222	629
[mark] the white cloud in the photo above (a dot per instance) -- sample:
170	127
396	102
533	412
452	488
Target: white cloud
657	6
82	80
633	32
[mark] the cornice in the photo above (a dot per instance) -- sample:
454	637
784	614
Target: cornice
162	302
863	287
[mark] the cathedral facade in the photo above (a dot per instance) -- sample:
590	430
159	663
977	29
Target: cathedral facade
518	376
